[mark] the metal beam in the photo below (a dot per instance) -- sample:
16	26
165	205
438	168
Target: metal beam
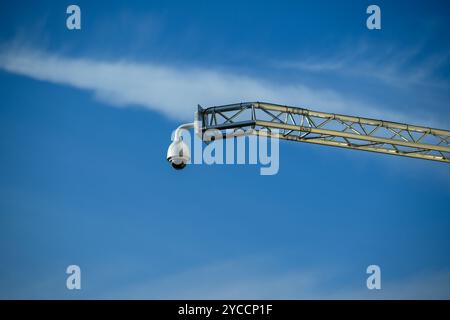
303	125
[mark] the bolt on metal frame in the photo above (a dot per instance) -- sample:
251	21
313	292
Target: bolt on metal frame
303	125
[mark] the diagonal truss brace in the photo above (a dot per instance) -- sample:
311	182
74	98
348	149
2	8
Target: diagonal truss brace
303	125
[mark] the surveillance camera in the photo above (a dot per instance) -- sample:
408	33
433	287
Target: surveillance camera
178	154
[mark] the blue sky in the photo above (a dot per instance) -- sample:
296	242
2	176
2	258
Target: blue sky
86	118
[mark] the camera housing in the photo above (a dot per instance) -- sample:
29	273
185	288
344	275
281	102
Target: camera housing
178	154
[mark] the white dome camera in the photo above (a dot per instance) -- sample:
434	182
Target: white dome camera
178	153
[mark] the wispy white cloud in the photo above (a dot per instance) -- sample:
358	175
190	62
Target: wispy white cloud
391	66
242	278
259	278
174	91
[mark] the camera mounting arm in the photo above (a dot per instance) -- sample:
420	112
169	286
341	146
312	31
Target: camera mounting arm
179	130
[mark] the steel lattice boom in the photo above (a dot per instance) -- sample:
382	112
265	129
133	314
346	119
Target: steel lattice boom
329	129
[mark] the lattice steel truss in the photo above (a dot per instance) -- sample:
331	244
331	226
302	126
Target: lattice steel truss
323	128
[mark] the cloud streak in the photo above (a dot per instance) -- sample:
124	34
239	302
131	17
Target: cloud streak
251	278
242	278
392	67
173	91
